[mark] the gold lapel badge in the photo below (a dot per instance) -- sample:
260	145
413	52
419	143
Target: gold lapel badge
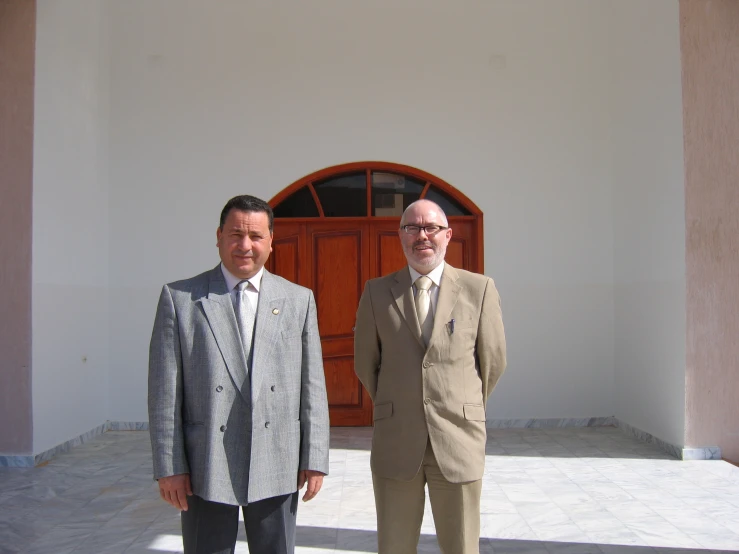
275	311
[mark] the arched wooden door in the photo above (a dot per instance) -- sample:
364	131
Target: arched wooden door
337	228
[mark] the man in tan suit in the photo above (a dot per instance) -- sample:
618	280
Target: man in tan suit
429	348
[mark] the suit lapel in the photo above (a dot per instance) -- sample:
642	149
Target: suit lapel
448	294
402	292
267	330
219	310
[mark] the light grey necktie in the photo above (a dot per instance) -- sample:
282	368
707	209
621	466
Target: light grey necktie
245	318
423	307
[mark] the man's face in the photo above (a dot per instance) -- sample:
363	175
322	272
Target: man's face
244	243
424	252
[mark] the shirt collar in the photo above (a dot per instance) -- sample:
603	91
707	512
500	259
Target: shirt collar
434	275
232	281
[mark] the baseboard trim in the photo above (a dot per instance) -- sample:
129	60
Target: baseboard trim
678	451
45	456
549	423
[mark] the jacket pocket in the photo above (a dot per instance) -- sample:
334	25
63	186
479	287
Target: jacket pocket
474	412
383	411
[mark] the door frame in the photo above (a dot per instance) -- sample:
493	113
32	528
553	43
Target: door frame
306	273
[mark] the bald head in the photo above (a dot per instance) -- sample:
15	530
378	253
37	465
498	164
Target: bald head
423	207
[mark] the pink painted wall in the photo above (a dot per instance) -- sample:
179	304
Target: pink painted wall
709	36
17	52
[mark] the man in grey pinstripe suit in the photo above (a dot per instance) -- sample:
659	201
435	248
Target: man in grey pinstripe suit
238	412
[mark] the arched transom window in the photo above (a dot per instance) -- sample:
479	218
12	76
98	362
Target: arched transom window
370	189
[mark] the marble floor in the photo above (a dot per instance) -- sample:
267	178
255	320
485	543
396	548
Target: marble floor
545	491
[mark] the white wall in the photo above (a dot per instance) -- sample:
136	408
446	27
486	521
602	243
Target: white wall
649	218
560	120
505	100
70	222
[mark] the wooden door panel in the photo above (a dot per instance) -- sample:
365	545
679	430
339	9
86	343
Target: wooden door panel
338	280
289	257
341	383
285	255
339	256
455	253
459	250
389	253
337	346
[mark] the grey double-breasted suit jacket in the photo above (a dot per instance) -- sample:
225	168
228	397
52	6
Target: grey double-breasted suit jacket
241	433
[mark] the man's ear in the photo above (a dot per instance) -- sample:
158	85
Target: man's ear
218	237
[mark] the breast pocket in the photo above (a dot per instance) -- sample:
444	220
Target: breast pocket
464	323
288	349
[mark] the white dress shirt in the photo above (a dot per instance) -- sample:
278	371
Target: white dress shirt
252	293
435	276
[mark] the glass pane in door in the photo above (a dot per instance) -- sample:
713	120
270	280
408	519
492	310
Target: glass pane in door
392	193
446	202
343	195
298	204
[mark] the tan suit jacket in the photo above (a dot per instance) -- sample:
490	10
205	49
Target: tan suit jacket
437	393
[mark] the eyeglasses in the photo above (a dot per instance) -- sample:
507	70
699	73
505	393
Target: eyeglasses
428	229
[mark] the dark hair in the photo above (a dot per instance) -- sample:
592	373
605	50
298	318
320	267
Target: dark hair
247	203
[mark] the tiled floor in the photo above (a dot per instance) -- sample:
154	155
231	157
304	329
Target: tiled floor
574	490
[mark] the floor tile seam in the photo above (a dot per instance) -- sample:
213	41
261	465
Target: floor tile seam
526	520
727	529
552	501
343	485
605	504
101	523
42	537
674	532
128	545
561	478
545	539
641	505
638	542
621	488
588	533
118	514
713	547
607	471
657	544
687	476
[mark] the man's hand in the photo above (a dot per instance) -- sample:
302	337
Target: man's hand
314	480
175	489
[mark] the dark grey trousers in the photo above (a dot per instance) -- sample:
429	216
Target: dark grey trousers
211	528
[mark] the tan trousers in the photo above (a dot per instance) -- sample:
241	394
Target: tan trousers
455	507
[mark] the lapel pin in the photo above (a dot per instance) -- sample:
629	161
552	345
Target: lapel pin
275	311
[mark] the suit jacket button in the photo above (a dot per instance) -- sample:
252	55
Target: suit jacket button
267	424
426	364
223	428
272	388
427	401
219	388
